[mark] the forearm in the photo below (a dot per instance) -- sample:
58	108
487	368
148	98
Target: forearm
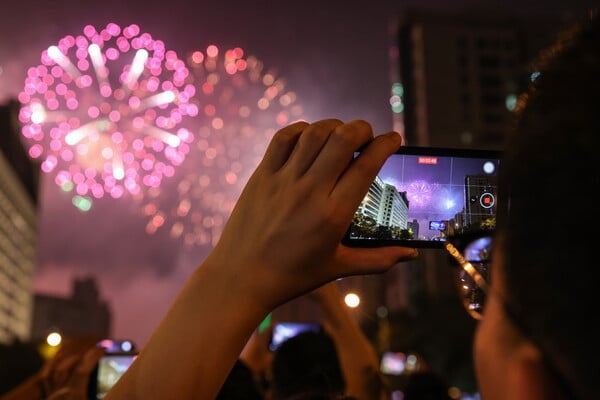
348	332
30	389
358	357
197	343
290	217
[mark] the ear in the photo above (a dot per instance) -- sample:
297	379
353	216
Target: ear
528	378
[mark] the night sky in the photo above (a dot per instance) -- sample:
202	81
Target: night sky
332	54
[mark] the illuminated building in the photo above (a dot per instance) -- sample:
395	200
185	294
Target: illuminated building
369	206
385	205
414	227
18	230
394	208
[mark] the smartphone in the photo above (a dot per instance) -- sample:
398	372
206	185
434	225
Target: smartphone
285	330
117	346
393	363
422	195
109	370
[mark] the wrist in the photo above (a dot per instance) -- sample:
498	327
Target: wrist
241	282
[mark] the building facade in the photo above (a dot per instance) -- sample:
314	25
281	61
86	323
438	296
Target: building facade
458	76
84	312
18	230
385	205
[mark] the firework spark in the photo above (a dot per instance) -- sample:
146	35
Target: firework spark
103	111
241	106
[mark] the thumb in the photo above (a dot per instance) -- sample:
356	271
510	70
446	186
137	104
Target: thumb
374	260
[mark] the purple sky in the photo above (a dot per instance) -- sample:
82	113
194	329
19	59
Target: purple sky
333	54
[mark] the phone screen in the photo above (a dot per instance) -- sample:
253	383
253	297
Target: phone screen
110	369
285	330
422	195
393	363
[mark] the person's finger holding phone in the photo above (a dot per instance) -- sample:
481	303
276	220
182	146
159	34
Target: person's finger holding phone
358	357
76	386
282	239
66	375
298	204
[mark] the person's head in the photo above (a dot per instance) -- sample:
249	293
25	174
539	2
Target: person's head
18	361
539	330
306	364
240	384
426	385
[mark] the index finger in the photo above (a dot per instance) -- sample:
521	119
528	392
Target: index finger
80	378
360	174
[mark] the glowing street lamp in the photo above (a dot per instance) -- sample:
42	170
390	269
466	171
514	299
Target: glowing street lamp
50	346
54	339
352	300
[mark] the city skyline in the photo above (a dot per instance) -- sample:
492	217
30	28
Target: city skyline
345	76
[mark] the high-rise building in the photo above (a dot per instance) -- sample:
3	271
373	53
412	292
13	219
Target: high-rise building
18	230
385	205
83	312
457	77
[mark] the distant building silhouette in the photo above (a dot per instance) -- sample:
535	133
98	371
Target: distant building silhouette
458	75
84	312
19	178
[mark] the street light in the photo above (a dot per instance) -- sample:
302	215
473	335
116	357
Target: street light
352	300
50	346
54	339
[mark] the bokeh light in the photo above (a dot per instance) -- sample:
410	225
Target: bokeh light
352	300
104	111
242	104
54	339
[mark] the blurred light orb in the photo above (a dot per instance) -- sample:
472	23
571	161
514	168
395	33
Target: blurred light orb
242	104
104	111
352	300
126	346
54	339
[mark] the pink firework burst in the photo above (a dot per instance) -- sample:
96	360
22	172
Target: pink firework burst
241	105
103	111
419	193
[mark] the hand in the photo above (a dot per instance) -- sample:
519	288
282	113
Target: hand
285	231
66	375
257	355
358	357
326	296
282	239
